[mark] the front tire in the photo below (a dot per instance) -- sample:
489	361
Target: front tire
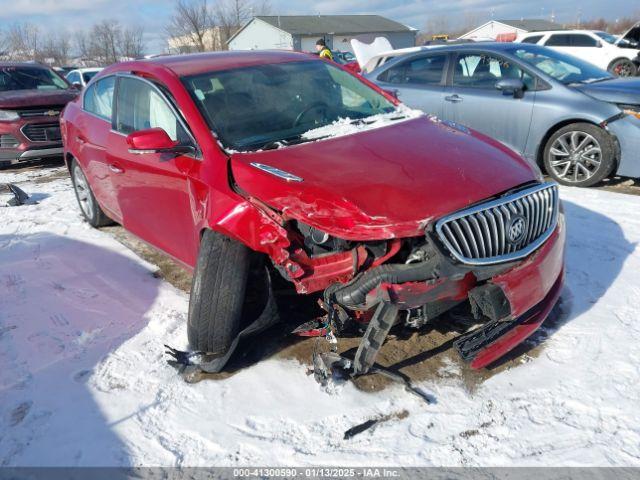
579	155
217	293
89	206
623	67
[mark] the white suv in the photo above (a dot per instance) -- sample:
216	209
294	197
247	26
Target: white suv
591	46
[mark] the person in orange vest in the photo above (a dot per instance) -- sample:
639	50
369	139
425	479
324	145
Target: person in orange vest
323	50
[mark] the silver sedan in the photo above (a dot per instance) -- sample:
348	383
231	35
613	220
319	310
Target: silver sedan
574	120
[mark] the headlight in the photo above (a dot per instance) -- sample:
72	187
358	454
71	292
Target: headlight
633	110
8	115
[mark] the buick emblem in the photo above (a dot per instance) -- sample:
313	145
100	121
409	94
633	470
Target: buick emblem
516	229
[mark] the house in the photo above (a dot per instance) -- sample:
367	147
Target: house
508	30
212	39
300	32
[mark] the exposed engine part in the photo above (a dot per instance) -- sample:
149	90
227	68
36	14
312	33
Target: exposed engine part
317	242
354	294
383	319
417	255
489	300
419	317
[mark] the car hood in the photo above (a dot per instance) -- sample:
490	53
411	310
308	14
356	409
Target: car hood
633	34
616	90
382	183
35	98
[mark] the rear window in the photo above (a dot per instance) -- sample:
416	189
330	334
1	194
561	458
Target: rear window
419	71
30	78
532	39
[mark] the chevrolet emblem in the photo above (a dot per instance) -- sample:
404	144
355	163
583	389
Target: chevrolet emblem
51	113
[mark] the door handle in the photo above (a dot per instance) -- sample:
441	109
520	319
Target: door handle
115	169
453	98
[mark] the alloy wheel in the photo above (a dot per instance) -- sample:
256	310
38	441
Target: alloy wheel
623	70
575	156
82	190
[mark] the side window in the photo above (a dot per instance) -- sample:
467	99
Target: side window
73	77
141	107
559	40
483	71
583	41
531	39
419	71
98	98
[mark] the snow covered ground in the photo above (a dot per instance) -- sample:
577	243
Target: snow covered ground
83	380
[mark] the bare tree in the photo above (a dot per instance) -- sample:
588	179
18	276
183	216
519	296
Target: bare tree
104	40
190	25
56	48
132	43
230	15
23	42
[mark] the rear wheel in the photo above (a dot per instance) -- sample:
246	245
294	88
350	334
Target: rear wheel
623	67
579	155
217	293
89	207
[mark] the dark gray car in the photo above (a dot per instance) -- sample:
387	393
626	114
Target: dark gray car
577	121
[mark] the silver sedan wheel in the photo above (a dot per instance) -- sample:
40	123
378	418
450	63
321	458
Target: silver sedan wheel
575	156
82	191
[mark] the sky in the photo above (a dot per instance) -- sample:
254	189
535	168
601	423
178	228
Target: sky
152	15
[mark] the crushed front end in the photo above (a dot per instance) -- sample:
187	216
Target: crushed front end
501	258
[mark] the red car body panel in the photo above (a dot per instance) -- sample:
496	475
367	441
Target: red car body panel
346	178
378	185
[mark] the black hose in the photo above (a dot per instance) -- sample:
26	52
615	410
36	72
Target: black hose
355	293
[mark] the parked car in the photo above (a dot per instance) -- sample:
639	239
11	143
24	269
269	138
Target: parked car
347	59
81	76
573	119
31	99
630	39
226	160
590	46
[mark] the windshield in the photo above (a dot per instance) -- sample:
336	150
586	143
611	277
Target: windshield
564	68
250	108
30	78
88	76
607	37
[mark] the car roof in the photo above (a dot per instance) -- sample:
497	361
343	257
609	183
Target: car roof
195	63
544	32
23	64
495	46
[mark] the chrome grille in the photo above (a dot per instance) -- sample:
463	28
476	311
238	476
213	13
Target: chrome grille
8	141
41	112
42	132
504	229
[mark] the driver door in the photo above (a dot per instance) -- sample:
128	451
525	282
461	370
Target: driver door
478	104
153	189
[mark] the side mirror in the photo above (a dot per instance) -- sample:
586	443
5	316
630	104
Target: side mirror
76	85
599	44
155	140
511	86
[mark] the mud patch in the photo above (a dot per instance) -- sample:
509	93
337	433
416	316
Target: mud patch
168	269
